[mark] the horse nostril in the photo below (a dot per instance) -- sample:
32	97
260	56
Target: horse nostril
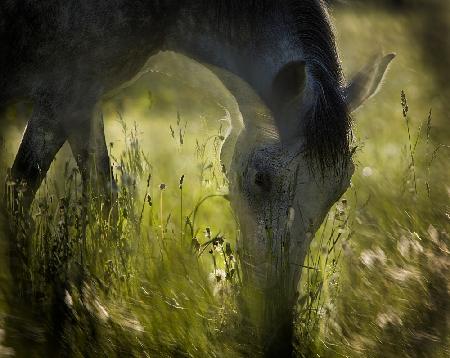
259	179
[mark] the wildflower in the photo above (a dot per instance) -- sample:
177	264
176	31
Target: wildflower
371	258
402	275
340	212
218	243
329	308
218	275
10	182
93	305
347	248
403	247
367	172
388	318
434	234
333	280
162	186
102	314
132	324
68	299
406	246
321	312
6	351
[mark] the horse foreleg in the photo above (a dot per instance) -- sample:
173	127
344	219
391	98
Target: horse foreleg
43	138
41	141
89	148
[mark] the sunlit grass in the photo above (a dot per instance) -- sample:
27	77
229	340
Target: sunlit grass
153	283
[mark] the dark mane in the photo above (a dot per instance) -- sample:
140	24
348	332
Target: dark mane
327	127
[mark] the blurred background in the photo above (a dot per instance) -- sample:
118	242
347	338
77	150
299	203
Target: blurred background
382	291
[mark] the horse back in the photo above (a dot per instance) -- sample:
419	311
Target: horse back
52	44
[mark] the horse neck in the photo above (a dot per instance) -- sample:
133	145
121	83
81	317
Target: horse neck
254	52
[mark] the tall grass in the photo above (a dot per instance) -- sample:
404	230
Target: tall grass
118	284
157	274
386	293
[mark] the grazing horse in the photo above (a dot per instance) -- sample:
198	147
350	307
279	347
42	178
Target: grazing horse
287	154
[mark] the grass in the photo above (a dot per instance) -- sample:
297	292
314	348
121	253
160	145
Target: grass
163	277
389	293
136	284
158	281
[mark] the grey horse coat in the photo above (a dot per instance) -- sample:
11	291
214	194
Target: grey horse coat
65	55
286	169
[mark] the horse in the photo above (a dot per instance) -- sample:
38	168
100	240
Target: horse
287	155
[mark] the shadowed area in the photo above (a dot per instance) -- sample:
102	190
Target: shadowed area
162	274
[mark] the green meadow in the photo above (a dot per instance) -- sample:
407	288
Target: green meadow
159	274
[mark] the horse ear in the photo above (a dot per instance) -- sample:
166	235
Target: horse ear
367	81
289	83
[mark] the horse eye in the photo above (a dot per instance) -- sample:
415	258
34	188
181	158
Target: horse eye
263	181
